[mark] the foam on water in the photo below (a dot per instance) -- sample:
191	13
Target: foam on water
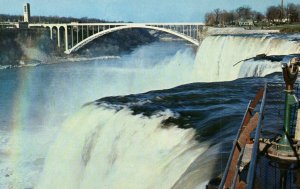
105	148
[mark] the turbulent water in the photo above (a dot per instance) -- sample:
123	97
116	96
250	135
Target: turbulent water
218	54
168	138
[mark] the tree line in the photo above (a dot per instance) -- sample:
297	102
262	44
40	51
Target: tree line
48	19
273	15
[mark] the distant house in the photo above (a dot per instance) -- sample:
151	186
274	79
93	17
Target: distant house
284	20
247	22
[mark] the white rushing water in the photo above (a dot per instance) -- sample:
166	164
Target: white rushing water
102	148
99	147
38	99
217	56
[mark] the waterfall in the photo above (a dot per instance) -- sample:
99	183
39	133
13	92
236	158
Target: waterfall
217	56
104	146
100	147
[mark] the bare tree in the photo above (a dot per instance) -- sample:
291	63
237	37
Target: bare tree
293	12
227	18
258	16
217	12
210	19
273	13
244	13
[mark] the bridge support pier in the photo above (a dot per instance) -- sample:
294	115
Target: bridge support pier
66	39
58	36
87	31
51	34
81	33
72	37
77	34
197	34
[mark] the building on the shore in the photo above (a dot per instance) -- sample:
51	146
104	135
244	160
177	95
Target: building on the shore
26	20
243	22
27	12
21	24
284	20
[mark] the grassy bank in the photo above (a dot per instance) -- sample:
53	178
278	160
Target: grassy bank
287	28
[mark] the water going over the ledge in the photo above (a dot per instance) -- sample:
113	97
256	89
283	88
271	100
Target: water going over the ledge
159	139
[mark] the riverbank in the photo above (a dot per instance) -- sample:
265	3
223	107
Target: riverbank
236	31
30	47
287	28
18	46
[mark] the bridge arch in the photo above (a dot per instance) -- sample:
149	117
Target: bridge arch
137	26
54	30
50	31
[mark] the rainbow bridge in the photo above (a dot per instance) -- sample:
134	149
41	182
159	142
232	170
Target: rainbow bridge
75	35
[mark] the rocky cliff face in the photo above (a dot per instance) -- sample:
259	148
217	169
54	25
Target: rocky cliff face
22	45
17	46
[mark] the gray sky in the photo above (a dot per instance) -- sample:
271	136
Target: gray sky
133	10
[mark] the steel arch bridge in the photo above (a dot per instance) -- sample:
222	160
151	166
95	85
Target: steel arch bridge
76	35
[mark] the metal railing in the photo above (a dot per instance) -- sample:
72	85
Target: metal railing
233	148
251	172
231	172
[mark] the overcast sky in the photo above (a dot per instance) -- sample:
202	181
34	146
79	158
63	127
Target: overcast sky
133	10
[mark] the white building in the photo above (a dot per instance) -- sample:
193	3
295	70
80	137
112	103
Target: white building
247	22
27	12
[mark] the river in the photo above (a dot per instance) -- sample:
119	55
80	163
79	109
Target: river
165	117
